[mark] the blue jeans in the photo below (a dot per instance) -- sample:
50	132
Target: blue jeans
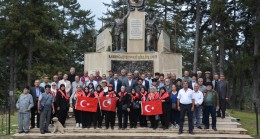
212	111
196	114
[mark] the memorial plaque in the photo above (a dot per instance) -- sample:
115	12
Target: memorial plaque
136	29
131	66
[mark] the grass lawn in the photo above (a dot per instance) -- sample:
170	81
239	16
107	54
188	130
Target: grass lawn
247	119
4	128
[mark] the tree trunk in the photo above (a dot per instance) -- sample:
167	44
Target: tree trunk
197	35
29	64
256	95
213	48
221	50
11	63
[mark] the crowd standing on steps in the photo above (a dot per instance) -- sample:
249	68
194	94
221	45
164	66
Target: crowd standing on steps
193	95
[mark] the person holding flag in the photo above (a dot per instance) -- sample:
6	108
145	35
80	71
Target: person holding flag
166	106
98	116
123	108
153	96
110	116
85	114
90	115
134	108
144	97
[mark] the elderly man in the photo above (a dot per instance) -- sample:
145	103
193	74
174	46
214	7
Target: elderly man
56	80
91	80
76	83
72	75
207	77
97	78
110	76
202	87
24	105
60	75
35	92
129	83
145	83
161	81
116	83
136	75
211	104
185	104
173	78
168	85
199	74
85	77
66	82
45	108
198	98
45	81
223	90
149	78
215	81
123	75
186	76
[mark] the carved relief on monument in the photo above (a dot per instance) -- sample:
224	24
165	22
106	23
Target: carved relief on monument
131	66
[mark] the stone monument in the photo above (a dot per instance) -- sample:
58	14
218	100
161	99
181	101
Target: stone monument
147	50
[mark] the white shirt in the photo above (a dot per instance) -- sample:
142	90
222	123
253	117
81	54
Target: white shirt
115	89
129	82
185	96
198	97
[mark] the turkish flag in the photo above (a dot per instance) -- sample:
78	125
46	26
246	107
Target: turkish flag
108	104
151	107
87	104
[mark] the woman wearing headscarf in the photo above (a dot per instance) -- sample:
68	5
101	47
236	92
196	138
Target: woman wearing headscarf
85	114
166	107
143	97
110	116
98	116
153	96
54	92
73	99
62	101
134	108
123	108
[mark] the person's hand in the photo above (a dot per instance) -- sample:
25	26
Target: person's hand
217	108
192	108
226	99
39	111
58	108
163	100
71	105
53	111
128	109
179	108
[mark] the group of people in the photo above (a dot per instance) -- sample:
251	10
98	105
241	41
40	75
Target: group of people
195	95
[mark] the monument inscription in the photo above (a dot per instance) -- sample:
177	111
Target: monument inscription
136	29
131	66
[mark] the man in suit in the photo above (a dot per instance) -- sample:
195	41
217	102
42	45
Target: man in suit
193	81
35	92
129	83
116	83
223	90
145	83
215	81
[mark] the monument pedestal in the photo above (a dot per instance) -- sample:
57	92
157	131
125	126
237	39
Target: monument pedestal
143	62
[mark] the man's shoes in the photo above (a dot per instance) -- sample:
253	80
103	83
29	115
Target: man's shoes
20	132
180	132
199	127
107	127
26	132
47	131
123	128
99	126
119	128
112	128
191	132
222	117
32	127
42	132
135	126
206	128
215	129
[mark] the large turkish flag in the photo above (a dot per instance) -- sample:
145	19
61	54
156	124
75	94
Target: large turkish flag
108	104
87	104
151	107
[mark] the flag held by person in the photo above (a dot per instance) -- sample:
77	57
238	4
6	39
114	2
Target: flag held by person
151	108
108	104
87	104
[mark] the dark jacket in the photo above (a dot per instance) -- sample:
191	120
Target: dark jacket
61	101
129	87
224	90
119	84
215	98
123	99
166	106
33	93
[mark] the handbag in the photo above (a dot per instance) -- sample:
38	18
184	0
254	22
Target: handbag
124	107
136	105
174	106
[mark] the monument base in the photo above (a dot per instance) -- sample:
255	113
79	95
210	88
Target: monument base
162	62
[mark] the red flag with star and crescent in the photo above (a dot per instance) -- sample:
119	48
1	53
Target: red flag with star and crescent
87	104
151	108
108	104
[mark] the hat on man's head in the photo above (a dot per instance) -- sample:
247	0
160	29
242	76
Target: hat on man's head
110	85
207	72
154	80
208	83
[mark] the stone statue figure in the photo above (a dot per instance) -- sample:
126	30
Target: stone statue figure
118	30
139	4
151	32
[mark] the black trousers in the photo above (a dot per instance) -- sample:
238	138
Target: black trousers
133	117
77	115
222	108
142	120
98	118
62	115
185	108
89	119
84	117
154	121
34	112
110	118
165	118
122	116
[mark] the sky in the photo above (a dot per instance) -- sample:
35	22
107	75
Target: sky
97	8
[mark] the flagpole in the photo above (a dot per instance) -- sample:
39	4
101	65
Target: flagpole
99	106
